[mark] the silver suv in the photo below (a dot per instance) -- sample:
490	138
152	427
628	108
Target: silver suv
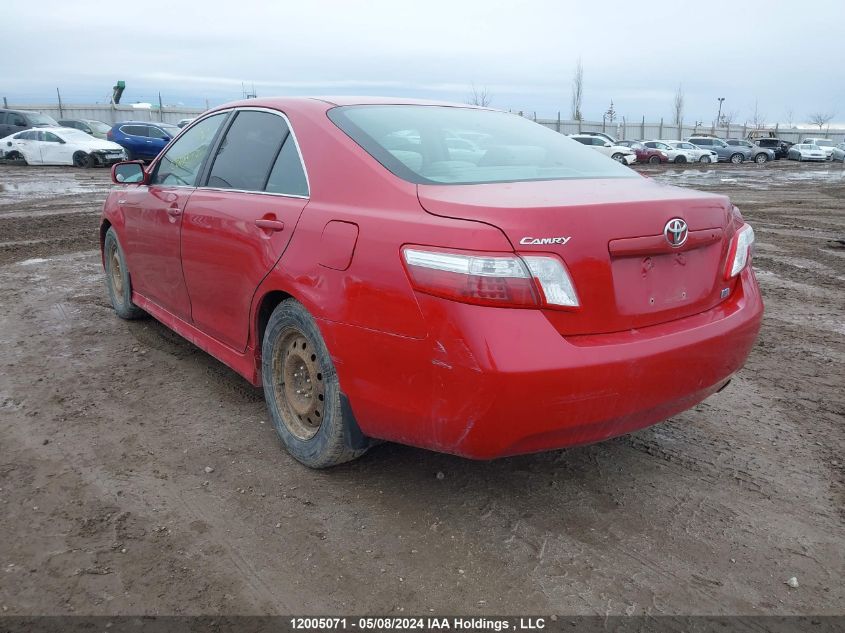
726	153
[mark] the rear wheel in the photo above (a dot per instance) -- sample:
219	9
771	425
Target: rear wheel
118	283
654	160
760	158
736	158
16	156
302	390
680	159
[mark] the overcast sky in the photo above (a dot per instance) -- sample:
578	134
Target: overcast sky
786	55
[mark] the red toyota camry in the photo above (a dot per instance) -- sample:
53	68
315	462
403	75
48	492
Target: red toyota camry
439	275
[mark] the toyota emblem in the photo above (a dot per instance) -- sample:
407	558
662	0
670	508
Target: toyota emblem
676	232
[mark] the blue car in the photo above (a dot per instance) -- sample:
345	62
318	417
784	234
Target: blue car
142	140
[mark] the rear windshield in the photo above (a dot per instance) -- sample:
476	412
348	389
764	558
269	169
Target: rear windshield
461	146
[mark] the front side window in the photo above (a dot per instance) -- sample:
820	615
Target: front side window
514	149
246	155
17	120
181	164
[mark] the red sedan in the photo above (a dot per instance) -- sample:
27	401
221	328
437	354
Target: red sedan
515	293
646	154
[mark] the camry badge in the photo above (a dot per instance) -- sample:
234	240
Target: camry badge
676	232
545	240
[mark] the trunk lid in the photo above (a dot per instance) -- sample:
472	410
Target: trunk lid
610	234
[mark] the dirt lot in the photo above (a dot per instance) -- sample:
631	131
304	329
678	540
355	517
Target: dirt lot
106	428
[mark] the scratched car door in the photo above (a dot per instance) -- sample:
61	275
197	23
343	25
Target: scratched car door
238	223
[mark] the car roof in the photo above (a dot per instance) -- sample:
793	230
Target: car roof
297	103
144	123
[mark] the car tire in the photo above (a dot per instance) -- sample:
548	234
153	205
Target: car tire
129	154
761	158
302	391
654	160
680	159
619	158
704	159
118	281
737	158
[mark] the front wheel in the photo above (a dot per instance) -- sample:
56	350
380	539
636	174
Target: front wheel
736	158
760	159
680	159
619	158
704	159
83	159
654	160
302	390
118	282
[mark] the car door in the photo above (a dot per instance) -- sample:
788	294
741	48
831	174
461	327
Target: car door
54	151
153	219
239	221
16	122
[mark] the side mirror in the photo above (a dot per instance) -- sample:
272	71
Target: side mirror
608	144
129	173
62	141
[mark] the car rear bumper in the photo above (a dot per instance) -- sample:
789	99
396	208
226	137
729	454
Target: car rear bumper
493	382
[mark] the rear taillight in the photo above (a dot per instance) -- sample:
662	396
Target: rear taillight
739	255
491	279
109	135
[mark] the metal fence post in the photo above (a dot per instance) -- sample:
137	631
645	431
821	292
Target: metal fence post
642	128
558	122
660	135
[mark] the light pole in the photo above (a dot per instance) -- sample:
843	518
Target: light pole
719	114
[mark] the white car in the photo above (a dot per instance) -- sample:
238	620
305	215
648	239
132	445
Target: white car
675	154
839	153
624	155
696	153
60	146
824	144
806	151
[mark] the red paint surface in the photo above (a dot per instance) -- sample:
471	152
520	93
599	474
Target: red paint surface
467	379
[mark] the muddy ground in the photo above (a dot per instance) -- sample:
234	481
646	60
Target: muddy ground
106	428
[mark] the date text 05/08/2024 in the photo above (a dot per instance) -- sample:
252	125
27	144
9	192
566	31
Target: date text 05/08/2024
417	623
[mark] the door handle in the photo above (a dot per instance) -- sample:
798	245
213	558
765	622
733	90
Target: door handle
174	212
270	225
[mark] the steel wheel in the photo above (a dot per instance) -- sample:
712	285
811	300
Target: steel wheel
116	272
299	388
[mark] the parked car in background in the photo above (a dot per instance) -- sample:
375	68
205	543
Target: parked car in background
12	121
646	154
825	144
806	151
89	126
183	122
726	153
777	145
758	154
606	137
695	153
381	294
838	153
142	140
60	146
679	156
618	153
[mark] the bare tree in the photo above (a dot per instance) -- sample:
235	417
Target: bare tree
758	119
790	117
821	118
577	91
678	106
479	97
727	118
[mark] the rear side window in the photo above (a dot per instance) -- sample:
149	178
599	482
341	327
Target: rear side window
134	130
181	164
247	153
288	175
